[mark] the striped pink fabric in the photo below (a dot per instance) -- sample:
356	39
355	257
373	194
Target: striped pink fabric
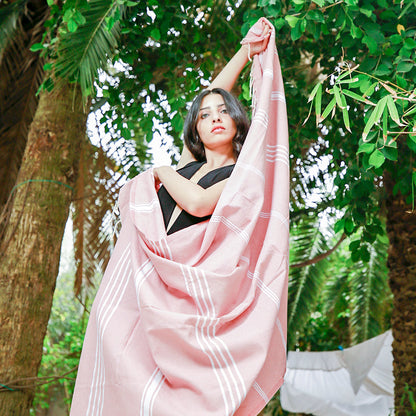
194	323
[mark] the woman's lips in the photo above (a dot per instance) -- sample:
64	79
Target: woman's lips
217	129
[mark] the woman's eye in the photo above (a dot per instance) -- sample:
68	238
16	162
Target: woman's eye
204	115
224	111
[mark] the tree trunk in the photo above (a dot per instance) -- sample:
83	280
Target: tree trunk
401	229
32	240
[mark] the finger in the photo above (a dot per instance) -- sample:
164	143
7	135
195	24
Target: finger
265	30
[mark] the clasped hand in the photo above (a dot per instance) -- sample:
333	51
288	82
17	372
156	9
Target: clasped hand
260	46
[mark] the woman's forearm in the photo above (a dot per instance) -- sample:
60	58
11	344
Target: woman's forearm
229	74
190	196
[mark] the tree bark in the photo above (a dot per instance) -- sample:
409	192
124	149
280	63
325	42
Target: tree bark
32	240
401	229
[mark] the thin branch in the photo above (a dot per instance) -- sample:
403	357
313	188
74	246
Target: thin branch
319	257
321	206
15	385
322	9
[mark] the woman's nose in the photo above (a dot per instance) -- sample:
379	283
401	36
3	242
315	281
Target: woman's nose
216	117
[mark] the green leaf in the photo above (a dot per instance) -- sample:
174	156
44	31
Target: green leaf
401	82
68	15
383	70
318	104
349	226
347	81
355	245
355	96
298	30
376	159
367	12
371	44
337	96
125	133
393	110
346	73
389	152
364	254
375	116
292	20
411	143
79	18
246	91
395	39
155	33
355	256
345	115
411	110
410	43
339	225
369	91
320	3
110	22
405	66
315	15
356	32
177	122
37	47
375	32
346	119
366	148
328	109
72	25
405	54
314	91
279	23
385	124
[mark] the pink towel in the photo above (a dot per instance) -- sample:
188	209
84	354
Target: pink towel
194	323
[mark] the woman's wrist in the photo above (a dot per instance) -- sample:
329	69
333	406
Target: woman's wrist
245	50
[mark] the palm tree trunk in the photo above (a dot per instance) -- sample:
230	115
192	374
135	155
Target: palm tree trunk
31	242
401	228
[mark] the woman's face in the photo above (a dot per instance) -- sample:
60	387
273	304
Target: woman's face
215	126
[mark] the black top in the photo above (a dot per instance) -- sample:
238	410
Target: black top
168	204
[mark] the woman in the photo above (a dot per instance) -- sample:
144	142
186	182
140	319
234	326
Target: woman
190	317
214	132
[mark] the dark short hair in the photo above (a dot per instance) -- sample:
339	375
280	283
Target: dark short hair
234	109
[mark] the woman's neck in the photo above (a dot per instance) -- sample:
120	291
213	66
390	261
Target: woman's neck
217	159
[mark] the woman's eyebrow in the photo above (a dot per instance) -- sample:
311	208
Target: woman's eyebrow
207	108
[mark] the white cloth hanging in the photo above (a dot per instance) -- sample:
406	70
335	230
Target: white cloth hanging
356	381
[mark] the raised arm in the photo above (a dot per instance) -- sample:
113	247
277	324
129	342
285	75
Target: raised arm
225	80
230	73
